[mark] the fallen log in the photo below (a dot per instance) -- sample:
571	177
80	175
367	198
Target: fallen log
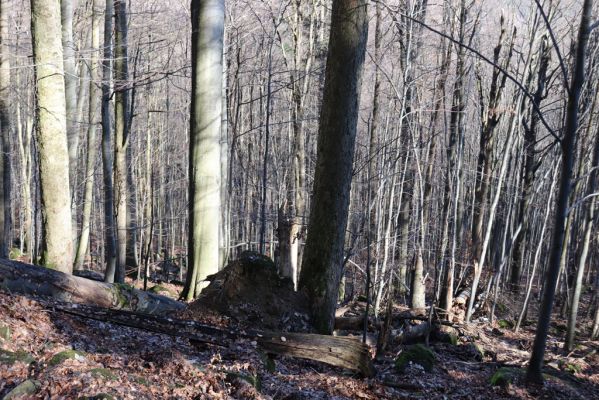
342	352
18	277
337	351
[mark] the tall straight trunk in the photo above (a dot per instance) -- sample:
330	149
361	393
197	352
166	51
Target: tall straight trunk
121	133
529	166
94	103
107	150
534	371
5	129
70	83
207	19
323	258
586	240
455	133
51	127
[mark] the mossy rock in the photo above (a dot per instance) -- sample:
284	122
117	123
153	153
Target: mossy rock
504	376
251	379
58	358
25	388
9	357
4	332
103	373
416	354
505	324
475	351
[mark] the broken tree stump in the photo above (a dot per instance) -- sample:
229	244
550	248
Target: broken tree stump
343	352
18	277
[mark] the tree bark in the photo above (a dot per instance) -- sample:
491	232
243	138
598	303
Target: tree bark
94	103
207	18
534	371
107	163
51	126
323	258
5	129
121	134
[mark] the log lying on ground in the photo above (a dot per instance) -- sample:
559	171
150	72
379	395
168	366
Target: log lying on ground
343	352
18	277
338	351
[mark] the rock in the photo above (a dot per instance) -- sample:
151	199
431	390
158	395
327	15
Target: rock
9	358
473	351
99	396
25	388
416	354
58	358
505	324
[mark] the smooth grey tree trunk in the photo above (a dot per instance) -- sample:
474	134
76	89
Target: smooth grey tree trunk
51	127
207	18
322	262
70	83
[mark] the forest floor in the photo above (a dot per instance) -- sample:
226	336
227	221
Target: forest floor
59	356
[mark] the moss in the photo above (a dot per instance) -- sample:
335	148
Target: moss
122	294
25	388
251	379
416	354
14	253
140	380
569	367
505	324
9	358
269	363
103	373
58	358
4	332
504	376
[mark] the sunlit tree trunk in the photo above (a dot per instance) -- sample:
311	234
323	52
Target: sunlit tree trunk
51	127
207	18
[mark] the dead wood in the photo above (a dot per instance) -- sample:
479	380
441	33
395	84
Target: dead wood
343	352
337	351
18	277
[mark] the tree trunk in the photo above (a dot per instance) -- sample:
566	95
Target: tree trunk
107	163
207	18
5	129
534	371
587	232
94	103
323	258
121	134
57	235
70	83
